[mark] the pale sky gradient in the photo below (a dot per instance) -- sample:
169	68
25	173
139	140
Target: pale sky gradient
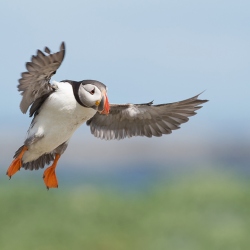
142	50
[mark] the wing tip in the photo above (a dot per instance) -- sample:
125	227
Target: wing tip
47	50
62	47
203	101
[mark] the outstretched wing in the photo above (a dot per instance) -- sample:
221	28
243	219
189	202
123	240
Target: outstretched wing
143	119
35	82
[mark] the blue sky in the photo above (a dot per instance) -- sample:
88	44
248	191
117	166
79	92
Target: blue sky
142	50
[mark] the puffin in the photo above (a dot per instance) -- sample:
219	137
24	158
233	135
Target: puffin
59	108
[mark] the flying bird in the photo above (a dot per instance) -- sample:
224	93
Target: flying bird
59	108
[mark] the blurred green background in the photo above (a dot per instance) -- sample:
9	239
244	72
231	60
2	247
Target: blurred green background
206	210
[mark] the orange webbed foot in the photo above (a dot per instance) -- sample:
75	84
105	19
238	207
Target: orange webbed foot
16	163
14	167
49	176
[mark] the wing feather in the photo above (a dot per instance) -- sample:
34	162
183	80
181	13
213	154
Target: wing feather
127	120
36	81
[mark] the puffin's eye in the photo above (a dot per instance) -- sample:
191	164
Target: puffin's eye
89	88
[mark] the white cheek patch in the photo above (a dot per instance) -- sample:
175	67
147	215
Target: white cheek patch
87	98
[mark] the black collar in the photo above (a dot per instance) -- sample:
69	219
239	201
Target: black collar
75	86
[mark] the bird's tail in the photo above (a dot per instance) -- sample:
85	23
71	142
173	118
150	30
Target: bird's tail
38	163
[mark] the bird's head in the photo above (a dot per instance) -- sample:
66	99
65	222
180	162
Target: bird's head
93	94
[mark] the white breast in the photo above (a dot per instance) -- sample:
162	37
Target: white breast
57	120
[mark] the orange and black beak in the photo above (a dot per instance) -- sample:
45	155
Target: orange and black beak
104	107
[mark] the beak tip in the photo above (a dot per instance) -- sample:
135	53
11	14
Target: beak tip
106	106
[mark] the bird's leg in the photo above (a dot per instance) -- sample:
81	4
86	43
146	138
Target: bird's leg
16	163
49	176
